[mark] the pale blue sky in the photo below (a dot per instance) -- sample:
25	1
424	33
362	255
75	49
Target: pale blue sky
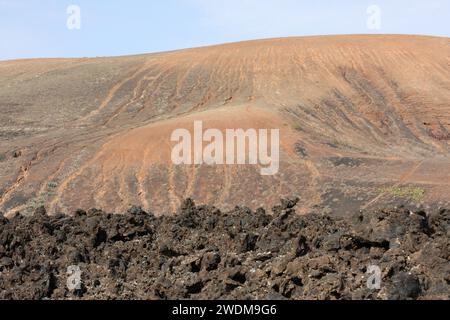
37	28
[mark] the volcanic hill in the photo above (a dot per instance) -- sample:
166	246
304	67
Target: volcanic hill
363	120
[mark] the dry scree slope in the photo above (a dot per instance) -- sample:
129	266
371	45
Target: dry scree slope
361	119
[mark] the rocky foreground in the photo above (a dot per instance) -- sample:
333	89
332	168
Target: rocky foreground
202	253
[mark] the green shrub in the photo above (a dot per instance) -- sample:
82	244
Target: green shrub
413	193
52	185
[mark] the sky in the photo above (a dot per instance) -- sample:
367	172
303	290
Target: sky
53	28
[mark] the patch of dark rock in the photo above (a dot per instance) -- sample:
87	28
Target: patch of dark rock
238	275
204	253
301	247
346	162
210	261
300	150
195	288
404	286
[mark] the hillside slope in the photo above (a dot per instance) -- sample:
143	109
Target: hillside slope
362	119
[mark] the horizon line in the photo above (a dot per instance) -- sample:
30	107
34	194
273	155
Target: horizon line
224	43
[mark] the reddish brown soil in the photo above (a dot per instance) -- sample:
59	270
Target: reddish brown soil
356	113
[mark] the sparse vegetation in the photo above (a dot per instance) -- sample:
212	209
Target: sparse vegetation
52	185
42	199
34	204
2	157
413	193
335	143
